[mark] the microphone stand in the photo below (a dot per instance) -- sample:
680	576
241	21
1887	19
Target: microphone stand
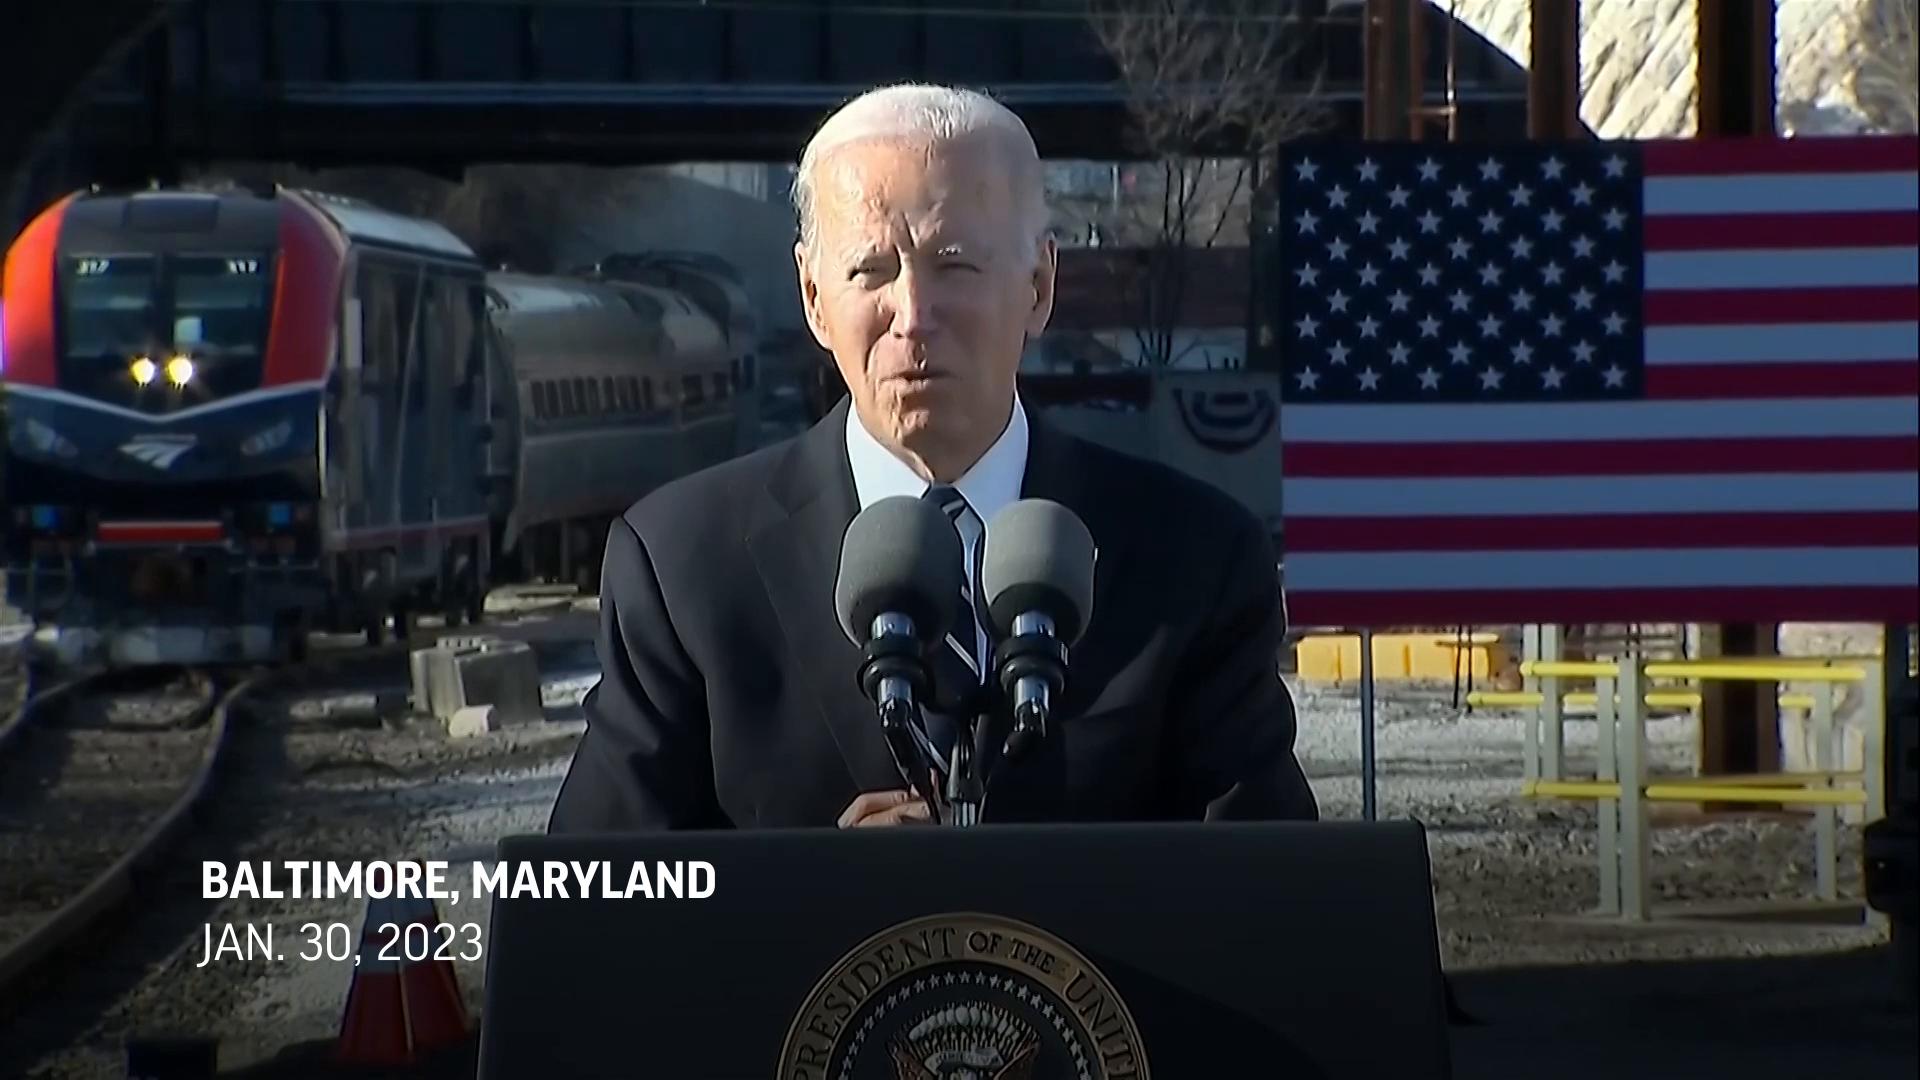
966	788
894	676
1032	667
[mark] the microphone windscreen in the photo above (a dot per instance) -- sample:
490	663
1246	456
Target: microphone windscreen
1039	558
899	555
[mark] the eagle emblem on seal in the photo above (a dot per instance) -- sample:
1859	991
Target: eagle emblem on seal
965	1042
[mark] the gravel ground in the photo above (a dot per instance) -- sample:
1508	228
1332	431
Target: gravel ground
321	775
80	785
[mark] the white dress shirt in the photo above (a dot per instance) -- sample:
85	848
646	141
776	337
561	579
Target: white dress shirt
990	485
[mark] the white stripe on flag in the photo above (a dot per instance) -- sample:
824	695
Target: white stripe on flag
1766	193
1783	343
1802	268
1710	493
1661	568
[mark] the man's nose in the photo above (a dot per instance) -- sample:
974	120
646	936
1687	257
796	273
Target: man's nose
913	306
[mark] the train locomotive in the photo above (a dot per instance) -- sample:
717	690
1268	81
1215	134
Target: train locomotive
233	417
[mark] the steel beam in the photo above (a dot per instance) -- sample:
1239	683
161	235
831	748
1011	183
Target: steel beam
1553	70
1391	95
1739	721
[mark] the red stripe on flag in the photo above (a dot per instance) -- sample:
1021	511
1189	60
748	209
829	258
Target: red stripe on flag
1813	603
1720	157
1715	307
1872	378
1417	461
1708	232
1602	531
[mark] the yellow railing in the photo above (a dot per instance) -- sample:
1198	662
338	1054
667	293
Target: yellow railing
1623	787
1657	699
1795	791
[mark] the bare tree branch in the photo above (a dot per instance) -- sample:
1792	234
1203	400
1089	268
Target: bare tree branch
1201	78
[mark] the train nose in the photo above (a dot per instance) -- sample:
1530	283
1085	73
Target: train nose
162	578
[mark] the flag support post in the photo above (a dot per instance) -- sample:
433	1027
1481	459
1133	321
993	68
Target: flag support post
1368	807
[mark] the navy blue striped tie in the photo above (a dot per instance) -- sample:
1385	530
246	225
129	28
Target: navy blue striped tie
956	667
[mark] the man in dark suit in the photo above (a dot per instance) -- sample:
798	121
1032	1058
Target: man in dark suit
729	697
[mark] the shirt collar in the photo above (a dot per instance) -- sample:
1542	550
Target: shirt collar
993	482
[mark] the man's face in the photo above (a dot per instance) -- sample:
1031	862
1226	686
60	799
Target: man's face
924	290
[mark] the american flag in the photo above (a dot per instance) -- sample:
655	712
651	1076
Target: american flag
1601	381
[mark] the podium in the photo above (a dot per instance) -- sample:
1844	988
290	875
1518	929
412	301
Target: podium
1006	952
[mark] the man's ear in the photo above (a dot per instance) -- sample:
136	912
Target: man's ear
810	296
1045	271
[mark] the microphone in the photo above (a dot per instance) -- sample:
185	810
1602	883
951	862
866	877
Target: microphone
1037	575
896	592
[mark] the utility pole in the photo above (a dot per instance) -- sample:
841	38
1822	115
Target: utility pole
1739	720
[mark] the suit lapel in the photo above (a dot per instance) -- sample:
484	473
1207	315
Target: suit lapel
1032	790
797	554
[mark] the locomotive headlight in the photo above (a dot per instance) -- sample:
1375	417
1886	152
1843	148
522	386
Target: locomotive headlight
180	371
144	371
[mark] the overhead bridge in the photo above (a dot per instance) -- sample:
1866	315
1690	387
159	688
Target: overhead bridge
436	84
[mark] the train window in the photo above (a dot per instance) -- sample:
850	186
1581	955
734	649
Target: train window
646	394
567	404
690	391
227	296
109	306
608	395
593	396
631	387
720	386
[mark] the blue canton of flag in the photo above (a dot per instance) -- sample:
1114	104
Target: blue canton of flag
1409	275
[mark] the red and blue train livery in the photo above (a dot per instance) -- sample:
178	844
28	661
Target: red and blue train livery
232	417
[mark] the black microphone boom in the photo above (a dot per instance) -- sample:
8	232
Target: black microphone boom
1037	575
896	593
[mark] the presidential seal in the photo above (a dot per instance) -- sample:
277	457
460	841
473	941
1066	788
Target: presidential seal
963	997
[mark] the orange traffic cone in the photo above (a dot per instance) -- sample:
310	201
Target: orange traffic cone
398	1008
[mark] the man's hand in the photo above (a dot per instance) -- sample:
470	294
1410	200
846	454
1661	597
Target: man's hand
885	808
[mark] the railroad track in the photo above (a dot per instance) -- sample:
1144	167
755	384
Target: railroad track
98	777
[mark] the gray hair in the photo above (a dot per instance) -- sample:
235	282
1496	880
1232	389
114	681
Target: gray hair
921	112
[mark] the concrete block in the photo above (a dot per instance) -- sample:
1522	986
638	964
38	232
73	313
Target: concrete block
431	679
420	667
502	674
471	722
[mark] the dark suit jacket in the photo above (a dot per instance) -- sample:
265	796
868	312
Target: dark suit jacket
729	697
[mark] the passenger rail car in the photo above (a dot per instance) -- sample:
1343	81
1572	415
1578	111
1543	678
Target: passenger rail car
626	374
235	416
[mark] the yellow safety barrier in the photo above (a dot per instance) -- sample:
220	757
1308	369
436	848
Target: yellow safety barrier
1753	672
1619	700
1424	657
1569	669
1785	794
1659	699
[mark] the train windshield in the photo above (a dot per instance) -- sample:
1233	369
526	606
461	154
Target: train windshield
220	302
131	305
111	305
